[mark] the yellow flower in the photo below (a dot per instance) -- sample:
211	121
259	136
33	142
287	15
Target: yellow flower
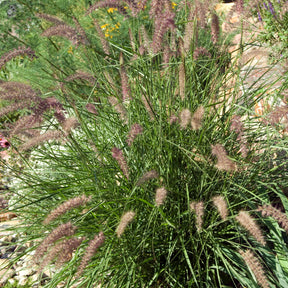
173	5
104	26
111	10
70	50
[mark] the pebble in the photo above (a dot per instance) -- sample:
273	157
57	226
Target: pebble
6	272
21	272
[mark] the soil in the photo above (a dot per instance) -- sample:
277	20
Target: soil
253	59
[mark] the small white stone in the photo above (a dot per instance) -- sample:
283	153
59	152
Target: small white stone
5	273
11	281
61	284
25	272
49	271
34	278
22	281
26	261
29	244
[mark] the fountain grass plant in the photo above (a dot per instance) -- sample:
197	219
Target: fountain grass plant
139	164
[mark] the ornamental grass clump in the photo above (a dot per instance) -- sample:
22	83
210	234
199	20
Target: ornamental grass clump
132	170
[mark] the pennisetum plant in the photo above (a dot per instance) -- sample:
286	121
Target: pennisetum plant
137	169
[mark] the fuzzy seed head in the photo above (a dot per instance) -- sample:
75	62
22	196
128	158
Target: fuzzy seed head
36	141
117	154
221	205
238	127
65	31
13	107
120	109
124	221
198	208
251	226
239	6
162	25
160	197
66	206
91	108
278	115
219	151
156	8
196	121
136	129
167	54
280	217
243	149
25	125
148	106
50	18
63	230
223	162
126	91
62	250
185	118
20	51
189	34
215	28
146	46
17	91
79	75
147	176
253	263
201	12
200	51
81	32
110	80
91	249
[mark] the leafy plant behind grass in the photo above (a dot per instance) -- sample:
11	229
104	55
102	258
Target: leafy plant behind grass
274	17
142	168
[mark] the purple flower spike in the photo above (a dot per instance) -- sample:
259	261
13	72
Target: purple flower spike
271	8
259	16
